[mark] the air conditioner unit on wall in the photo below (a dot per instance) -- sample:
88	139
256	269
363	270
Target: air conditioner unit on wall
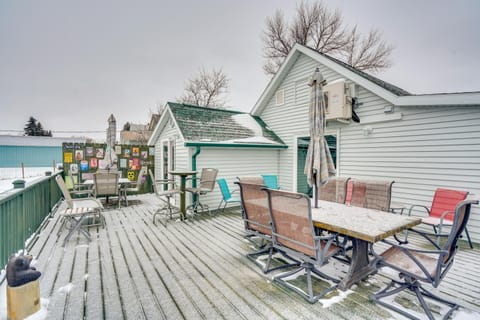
337	100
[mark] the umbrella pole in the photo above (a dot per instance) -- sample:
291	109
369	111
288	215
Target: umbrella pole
316	192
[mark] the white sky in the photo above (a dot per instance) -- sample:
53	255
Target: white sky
70	64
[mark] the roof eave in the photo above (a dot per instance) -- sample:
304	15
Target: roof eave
460	99
234	145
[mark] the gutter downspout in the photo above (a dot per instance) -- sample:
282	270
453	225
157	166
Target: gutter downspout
194	168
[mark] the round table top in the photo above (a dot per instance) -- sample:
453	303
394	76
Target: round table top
182	172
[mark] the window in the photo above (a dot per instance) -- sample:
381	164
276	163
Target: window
279	97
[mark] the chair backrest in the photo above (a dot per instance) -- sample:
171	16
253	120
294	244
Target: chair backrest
270	181
207	178
152	177
461	215
334	190
106	184
222	183
291	217
251	179
63	188
348	195
446	200
372	194
140	180
255	213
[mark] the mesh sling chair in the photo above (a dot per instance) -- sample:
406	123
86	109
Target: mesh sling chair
256	218
135	187
167	190
78	210
293	233
334	190
440	213
106	185
419	265
227	197
372	194
206	185
270	181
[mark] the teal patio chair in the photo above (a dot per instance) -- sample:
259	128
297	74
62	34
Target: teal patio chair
270	181
226	194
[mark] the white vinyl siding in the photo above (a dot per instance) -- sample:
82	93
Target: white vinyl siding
232	163
429	147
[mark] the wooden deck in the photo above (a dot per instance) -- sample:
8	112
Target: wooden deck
197	269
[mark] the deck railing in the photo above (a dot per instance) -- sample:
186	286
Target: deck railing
22	212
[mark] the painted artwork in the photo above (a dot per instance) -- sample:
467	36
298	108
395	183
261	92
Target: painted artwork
144	154
123	163
151	151
102	164
68	157
118	149
126	153
135	164
84	165
131	175
135	152
100	153
89	151
93	162
74	168
78	155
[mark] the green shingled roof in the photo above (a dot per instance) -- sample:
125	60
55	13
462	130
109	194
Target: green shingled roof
204	125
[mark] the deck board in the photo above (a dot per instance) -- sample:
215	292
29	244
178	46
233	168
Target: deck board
133	269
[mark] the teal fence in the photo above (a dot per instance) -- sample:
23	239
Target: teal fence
22	212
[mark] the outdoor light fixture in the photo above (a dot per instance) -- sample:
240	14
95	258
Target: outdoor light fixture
388	109
367	131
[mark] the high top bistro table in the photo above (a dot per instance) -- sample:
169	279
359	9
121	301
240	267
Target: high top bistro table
363	227
183	174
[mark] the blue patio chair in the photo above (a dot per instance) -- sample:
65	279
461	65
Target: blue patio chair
226	194
270	181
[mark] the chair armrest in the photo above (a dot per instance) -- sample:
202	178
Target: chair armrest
417	205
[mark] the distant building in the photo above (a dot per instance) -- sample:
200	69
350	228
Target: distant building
32	151
133	133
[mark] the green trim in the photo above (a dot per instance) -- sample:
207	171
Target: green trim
234	145
194	168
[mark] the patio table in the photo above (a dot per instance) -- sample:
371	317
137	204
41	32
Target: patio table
183	178
123	183
364	227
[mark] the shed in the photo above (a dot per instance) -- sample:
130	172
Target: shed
422	141
189	137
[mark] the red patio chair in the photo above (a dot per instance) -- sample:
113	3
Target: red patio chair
442	211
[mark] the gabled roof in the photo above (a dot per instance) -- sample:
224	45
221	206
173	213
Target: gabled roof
203	126
385	90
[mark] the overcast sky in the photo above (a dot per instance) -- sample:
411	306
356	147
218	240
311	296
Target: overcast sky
70	64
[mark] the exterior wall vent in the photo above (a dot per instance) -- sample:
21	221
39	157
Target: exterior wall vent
280	97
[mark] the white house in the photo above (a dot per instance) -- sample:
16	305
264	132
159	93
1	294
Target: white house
421	141
191	137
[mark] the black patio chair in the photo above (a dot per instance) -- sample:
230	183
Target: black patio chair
416	266
256	218
294	234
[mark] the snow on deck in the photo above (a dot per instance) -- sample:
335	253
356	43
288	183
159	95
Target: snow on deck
197	269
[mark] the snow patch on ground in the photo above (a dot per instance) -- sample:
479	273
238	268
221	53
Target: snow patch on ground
335	299
8	175
66	288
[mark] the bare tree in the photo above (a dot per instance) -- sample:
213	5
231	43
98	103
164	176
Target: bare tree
322	29
207	88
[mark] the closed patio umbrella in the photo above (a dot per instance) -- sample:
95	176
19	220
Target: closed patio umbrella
110	156
319	164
